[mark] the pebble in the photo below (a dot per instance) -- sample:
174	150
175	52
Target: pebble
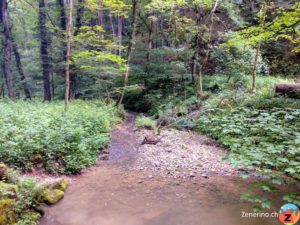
168	158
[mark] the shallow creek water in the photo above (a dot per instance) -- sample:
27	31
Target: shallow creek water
112	193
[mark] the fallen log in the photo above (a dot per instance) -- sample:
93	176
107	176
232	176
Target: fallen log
151	140
291	90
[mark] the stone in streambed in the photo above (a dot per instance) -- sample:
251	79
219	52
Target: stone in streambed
61	185
52	196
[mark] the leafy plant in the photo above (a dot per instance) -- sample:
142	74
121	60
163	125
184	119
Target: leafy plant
147	122
36	133
263	138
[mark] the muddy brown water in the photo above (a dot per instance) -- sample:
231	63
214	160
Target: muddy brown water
112	193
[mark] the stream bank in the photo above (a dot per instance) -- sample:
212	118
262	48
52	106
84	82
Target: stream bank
135	185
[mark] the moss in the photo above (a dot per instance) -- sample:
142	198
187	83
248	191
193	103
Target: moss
7	216
8	190
52	196
60	185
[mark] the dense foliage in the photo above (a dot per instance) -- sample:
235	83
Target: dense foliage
263	138
36	133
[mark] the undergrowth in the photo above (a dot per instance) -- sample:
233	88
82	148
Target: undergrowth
34	133
261	138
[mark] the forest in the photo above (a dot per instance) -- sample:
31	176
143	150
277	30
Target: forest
107	106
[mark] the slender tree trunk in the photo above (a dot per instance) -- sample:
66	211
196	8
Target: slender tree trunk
100	14
52	84
264	11
69	40
131	45
79	17
149	49
113	31
254	71
194	70
73	83
148	55
20	68
200	83
120	31
197	57
7	70
44	50
78	25
2	92
203	65
63	27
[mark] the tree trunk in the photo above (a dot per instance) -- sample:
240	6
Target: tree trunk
254	71
149	49
291	90
131	45
44	50
202	67
2	93
69	40
73	83
52	84
78	25
200	83
113	31
148	55
79	17
100	14
120	30
20	68
7	70
63	27
194	69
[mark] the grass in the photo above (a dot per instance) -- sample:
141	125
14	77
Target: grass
146	122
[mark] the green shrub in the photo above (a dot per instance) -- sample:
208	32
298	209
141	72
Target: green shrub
32	133
262	102
147	122
261	138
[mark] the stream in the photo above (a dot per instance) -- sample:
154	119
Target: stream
112	193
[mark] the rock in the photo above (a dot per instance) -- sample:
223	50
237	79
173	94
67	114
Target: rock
7	216
8	190
192	175
61	185
205	176
52	196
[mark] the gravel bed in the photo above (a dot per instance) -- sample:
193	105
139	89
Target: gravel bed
182	154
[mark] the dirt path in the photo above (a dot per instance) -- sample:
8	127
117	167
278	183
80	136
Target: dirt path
134	187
